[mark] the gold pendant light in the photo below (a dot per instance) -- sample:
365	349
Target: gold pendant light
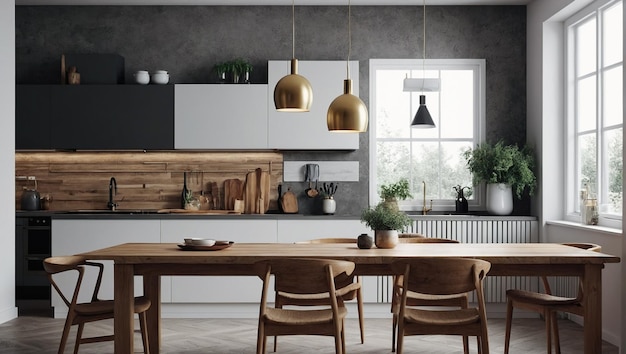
422	119
293	93
347	113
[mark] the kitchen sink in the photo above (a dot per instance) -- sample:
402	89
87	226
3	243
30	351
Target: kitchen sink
108	211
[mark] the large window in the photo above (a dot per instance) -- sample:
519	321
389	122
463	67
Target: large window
595	108
425	156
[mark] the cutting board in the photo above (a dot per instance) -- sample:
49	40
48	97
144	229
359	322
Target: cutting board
256	195
289	202
233	190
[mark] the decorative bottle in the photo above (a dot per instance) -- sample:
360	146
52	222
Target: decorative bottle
185	191
461	202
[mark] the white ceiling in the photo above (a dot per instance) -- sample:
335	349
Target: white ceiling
271	2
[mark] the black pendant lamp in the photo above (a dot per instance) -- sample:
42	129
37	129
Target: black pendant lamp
347	113
422	119
293	93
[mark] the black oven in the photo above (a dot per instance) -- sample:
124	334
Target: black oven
32	245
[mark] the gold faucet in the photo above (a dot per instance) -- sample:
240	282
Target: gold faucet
424	209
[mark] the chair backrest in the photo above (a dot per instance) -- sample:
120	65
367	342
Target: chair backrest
442	276
330	240
582	245
585	245
60	264
425	240
304	276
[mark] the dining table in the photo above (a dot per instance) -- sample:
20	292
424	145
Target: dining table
153	260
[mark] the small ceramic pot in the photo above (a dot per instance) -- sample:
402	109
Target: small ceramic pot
329	206
364	241
142	77
386	238
160	77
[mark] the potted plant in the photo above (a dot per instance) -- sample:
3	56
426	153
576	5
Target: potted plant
221	69
504	168
391	193
239	67
386	222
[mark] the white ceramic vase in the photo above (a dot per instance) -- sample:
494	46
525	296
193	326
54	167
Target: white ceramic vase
499	199
386	238
329	206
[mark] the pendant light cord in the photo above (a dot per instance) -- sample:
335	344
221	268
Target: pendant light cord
424	45
293	29
349	42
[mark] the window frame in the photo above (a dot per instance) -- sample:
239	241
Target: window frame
595	11
479	125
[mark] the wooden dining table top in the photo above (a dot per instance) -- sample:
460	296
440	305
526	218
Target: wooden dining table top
249	253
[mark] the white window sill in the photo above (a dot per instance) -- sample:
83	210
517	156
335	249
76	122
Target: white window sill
592	228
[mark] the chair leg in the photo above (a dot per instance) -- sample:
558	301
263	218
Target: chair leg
66	332
509	319
338	338
260	339
144	333
79	335
359	300
343	337
394	327
465	345
484	343
548	318
555	331
400	338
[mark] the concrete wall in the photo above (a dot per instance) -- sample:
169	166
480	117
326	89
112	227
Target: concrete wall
7	159
187	41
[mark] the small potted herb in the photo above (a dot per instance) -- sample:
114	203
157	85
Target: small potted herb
386	222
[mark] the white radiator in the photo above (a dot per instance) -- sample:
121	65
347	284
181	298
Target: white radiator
475	229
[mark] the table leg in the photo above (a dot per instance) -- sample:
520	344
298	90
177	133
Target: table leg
592	290
123	324
152	290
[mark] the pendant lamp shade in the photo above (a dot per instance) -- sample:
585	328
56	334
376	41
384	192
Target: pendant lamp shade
347	113
293	93
422	117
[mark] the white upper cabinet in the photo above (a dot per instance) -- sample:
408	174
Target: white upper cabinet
226	116
308	130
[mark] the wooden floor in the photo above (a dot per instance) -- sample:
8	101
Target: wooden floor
40	335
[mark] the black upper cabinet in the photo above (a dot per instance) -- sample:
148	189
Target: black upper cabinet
32	112
104	117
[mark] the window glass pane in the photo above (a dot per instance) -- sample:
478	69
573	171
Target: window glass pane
425	168
613	41
392	105
392	162
586	110
587	170
457	104
586	47
613	97
614	171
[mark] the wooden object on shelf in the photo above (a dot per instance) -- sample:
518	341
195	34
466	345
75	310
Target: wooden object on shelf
289	202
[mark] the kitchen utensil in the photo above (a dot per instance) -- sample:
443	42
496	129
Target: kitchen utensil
289	202
233	190
260	206
239	206
280	198
250	193
312	174
194	241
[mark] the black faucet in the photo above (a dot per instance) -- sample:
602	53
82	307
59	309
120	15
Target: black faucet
112	191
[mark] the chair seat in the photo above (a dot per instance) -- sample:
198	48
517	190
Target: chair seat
442	318
295	317
106	306
539	298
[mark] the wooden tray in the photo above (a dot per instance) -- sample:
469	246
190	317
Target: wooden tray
219	245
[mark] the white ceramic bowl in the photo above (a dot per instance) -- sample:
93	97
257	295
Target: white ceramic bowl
159	78
199	241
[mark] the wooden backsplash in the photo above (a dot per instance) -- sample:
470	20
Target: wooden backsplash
145	180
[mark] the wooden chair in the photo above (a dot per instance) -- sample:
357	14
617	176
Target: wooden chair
546	304
437	277
95	309
416	299
350	292
304	277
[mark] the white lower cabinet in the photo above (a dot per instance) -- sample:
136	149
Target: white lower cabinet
217	289
76	236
